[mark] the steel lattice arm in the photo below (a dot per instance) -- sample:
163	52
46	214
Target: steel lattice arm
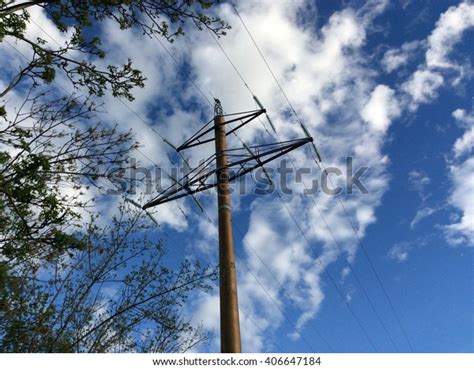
199	137
203	176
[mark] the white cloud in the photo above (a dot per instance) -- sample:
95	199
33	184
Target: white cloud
393	59
464	144
324	75
423	85
381	108
419	180
400	252
461	170
465	118
449	30
334	91
462	175
420	215
344	273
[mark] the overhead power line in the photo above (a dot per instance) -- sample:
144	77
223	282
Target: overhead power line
291	107
179	207
193	82
266	292
248	316
230	61
364	331
379	281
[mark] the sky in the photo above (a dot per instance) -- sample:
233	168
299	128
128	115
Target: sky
386	83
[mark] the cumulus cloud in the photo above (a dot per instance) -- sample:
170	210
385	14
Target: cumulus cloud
424	83
395	58
461	169
462	176
423	86
334	93
463	117
465	143
381	108
449	30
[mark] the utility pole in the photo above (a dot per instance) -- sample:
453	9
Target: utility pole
200	178
229	307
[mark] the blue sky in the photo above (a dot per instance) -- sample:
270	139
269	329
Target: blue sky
388	83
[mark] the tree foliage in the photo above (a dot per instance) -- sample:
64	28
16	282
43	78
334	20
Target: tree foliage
163	18
52	148
66	283
114	294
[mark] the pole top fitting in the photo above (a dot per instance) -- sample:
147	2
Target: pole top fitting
218	108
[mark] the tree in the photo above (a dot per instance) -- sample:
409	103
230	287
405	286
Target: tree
54	266
111	295
52	140
154	18
50	144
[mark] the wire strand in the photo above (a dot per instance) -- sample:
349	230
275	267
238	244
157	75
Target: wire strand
340	200
392	307
230	61
203	95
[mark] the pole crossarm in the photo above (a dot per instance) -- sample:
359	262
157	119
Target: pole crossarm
199	139
242	161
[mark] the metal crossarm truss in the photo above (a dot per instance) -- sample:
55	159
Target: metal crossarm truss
200	138
241	161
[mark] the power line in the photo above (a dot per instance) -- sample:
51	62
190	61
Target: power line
340	201
230	61
215	285
248	268
294	219
265	290
247	86
324	267
392	307
354	274
203	95
179	207
328	274
269	270
279	283
276	303
266	63
260	329
356	278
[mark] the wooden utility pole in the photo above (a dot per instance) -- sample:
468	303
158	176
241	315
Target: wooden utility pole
229	307
200	179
